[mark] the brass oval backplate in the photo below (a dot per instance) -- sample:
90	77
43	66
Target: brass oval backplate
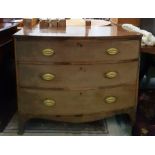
110	99
49	102
111	74
112	51
48	52
48	77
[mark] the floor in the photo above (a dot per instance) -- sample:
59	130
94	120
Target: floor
113	126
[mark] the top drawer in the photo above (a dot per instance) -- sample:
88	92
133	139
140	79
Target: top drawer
76	50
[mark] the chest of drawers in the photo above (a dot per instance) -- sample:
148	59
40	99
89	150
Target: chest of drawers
78	75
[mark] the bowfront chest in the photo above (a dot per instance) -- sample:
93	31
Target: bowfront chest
79	74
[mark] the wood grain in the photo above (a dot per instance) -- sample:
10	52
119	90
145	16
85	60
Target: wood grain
77	50
75	102
77	75
104	32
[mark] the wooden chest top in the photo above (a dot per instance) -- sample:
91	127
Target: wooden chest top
110	32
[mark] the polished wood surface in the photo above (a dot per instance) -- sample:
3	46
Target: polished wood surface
69	74
78	32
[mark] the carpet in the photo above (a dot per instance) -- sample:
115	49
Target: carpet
113	126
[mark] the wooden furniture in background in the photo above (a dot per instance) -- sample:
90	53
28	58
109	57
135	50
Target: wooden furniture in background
134	21
148	24
81	75
148	49
7	78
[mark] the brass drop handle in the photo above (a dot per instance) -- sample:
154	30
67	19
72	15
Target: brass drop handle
48	52
110	99
111	74
112	51
48	77
49	102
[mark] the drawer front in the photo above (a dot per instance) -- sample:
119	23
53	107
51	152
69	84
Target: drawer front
65	50
54	102
59	76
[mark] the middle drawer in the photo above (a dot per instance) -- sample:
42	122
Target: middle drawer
60	76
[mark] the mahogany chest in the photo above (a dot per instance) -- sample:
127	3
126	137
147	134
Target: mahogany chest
79	74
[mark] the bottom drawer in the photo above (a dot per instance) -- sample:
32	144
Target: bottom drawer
75	102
